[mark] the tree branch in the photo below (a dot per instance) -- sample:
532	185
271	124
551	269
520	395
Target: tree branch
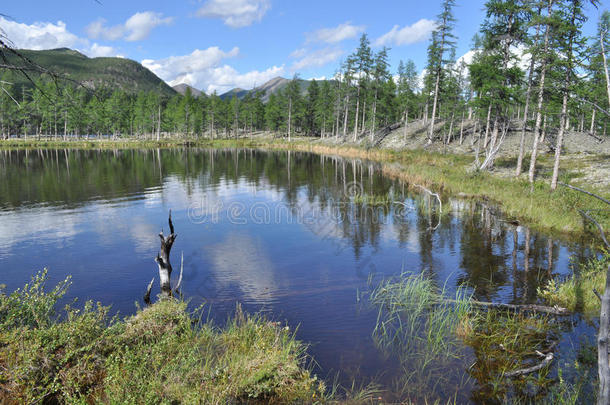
548	358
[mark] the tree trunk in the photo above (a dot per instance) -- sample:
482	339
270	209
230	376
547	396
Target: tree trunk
603	396
363	123
406	124
462	128
543	134
487	126
374	116
601	40
451	128
162	259
528	93
357	112
436	88
563	118
289	116
345	118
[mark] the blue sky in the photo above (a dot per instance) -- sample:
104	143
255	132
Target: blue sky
221	44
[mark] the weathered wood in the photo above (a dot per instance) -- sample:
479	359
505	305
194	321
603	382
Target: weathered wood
603	370
524	307
599	227
584	191
548	358
148	290
163	260
517	307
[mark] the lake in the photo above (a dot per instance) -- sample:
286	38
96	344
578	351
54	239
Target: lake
299	237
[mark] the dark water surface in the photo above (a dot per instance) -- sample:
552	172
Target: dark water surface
280	232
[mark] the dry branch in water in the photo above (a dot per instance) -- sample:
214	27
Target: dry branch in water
547	359
440	203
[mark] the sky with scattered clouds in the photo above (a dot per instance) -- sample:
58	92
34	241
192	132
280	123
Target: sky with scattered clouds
217	45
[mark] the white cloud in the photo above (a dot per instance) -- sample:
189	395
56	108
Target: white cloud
46	35
96	51
317	58
235	13
466	58
136	28
39	35
202	70
298	53
410	34
97	30
333	35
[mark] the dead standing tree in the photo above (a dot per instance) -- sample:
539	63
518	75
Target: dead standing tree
165	266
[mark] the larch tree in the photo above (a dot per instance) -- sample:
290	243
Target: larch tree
443	42
293	93
543	53
569	37
495	73
381	74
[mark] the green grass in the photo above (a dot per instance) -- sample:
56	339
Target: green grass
577	292
160	355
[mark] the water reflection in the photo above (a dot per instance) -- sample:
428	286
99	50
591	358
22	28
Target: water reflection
295	234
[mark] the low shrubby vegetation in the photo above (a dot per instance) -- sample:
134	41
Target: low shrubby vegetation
163	354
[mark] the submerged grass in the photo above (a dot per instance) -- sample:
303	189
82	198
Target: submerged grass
444	343
159	355
415	324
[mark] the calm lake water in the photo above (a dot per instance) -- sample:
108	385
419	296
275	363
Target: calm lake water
285	233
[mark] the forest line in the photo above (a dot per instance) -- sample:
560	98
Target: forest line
533	73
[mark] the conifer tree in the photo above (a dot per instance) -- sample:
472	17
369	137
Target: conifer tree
443	42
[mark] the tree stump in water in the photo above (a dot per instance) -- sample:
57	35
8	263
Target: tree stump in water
165	266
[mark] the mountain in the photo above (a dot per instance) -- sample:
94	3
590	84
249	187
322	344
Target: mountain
181	88
123	73
273	86
240	93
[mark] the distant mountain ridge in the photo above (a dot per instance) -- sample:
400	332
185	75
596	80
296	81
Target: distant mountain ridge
182	87
273	86
126	74
94	73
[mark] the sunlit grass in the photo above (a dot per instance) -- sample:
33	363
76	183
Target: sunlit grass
160	355
577	293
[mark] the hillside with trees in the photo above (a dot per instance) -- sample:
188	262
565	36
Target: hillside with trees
76	68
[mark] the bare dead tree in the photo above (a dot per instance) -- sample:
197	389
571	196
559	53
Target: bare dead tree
165	266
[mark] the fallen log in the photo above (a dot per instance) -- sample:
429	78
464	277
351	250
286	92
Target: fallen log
519	307
547	359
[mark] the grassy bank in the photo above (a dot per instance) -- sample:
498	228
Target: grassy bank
577	293
160	355
450	174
